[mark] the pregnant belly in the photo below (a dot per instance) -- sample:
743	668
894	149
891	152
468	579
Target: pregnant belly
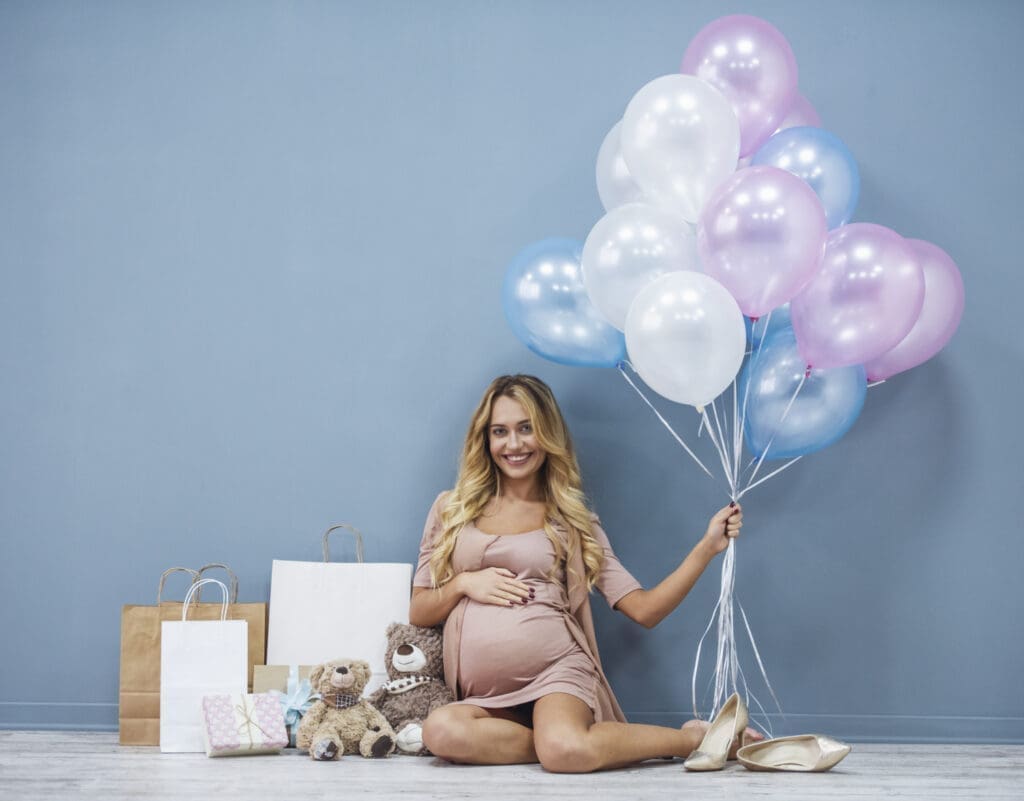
503	649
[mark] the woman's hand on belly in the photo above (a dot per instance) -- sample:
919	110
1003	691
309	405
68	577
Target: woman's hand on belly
494	585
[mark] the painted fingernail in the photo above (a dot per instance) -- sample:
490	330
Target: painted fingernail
732	504
511	603
524	600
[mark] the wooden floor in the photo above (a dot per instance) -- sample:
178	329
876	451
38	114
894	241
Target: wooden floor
86	765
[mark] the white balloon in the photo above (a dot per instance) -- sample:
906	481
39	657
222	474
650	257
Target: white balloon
627	249
680	138
685	337
615	186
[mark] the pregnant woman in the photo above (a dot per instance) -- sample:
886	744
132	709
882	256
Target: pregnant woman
507	561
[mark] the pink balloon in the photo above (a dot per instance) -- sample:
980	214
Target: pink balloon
801	114
752	64
940	315
864	300
762	236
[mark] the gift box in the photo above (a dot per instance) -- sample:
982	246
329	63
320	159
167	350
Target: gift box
290	686
243	724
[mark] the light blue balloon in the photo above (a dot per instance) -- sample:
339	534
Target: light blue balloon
827	405
822	160
549	310
767	325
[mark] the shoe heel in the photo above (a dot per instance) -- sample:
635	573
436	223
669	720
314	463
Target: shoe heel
728	724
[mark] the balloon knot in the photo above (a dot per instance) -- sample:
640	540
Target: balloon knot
807	372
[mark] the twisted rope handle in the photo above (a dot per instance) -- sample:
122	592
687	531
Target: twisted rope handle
231	575
167	572
356	532
194	591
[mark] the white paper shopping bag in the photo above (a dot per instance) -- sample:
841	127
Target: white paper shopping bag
197	658
326	610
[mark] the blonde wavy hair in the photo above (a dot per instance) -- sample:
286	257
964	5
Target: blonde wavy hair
479	480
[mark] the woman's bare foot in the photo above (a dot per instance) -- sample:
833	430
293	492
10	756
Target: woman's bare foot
750	735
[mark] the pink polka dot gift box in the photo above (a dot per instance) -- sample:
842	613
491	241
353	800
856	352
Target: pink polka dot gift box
239	724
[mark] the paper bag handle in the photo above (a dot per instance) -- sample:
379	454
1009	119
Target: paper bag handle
166	573
194	589
231	574
356	532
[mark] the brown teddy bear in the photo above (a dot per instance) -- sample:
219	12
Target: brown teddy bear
416	687
342	722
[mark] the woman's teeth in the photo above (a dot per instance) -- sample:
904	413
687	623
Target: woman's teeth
517	459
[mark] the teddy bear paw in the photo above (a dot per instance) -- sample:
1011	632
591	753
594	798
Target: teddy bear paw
382	746
324	751
410	739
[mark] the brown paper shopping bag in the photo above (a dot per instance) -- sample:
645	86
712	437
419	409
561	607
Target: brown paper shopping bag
139	694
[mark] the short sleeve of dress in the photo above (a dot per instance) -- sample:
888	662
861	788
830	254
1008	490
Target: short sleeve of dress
431	529
614	581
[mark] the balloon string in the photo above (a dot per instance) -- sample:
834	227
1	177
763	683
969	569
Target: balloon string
726	635
700	646
728	676
664	422
726	662
737	438
778	427
765	478
721	455
729	427
727	462
760	665
746	389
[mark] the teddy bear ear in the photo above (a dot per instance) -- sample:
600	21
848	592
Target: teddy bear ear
392	628
316	674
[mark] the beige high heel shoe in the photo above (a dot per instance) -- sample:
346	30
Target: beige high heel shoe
803	752
727	726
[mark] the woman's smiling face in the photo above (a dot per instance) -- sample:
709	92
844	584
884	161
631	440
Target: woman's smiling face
511	440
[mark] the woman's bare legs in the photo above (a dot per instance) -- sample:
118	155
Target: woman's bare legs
568	740
473	735
564	737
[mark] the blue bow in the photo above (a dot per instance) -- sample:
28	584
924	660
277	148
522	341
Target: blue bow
296	701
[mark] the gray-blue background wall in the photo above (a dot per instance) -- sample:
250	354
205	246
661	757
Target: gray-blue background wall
250	259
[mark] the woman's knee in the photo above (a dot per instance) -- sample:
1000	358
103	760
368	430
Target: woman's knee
445	734
565	753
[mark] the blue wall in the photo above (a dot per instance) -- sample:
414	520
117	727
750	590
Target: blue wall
250	256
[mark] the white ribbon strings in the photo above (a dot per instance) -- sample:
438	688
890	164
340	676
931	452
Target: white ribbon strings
728	676
664	422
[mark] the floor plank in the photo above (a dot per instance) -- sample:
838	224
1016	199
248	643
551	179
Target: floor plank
88	765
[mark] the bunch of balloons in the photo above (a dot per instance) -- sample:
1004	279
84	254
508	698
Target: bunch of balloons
727	204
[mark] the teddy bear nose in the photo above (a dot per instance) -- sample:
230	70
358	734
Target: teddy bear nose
341	670
404	650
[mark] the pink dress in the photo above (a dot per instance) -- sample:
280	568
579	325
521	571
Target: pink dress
503	656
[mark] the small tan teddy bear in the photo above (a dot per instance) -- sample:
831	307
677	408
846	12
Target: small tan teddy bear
342	722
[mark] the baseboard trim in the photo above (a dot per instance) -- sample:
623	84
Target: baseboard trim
67	716
78	716
882	728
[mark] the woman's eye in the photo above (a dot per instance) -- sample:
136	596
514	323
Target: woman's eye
526	429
